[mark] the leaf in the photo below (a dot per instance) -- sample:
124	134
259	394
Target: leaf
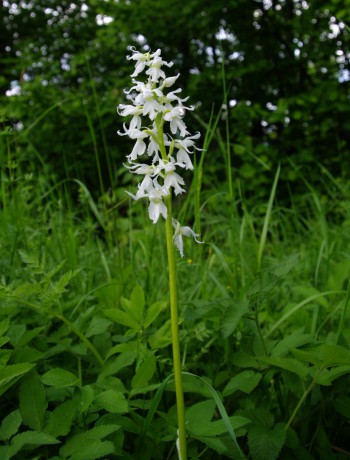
245	381
161	338
87	396
120	317
266	443
34	438
11	373
294	340
264	283
123	360
145	372
32	401
288	364
112	401
81	443
60	378
137	302
97	326
326	377
10	425
334	355
91	449
232	316
61	419
153	311
312	357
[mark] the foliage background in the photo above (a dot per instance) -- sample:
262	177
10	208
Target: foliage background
286	67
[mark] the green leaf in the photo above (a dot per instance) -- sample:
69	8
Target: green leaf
97	326
326	377
288	364
294	340
60	378
161	338
245	381
81	443
33	438
266	443
232	316
11	373
312	357
120	317
87	396
4	325
153	311
137	302
9	425
334	355
112	401
144	372
61	419
32	401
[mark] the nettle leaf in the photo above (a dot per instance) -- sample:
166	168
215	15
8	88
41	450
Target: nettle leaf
245	381
11	373
32	401
9	425
232	316
266	443
88	445
34	438
144	372
60	378
288	364
112	401
61	418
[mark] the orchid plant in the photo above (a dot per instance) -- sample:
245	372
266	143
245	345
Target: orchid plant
160	134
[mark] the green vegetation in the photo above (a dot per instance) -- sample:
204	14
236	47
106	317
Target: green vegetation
86	367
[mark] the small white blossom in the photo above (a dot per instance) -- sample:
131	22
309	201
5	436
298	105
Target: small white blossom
180	232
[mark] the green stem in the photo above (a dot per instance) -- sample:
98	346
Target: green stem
175	333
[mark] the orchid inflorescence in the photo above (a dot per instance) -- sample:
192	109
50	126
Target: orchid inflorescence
168	152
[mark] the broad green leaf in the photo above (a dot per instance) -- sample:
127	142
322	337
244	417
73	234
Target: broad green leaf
144	372
288	364
232	316
32	401
294	340
312	357
97	326
9	425
123	360
245	381
266	443
161	338
11	373
92	449
28	336
200	412
222	446
327	376
153	311
61	418
33	438
120	317
75	444
137	302
60	378
112	401
87	396
4	325
334	355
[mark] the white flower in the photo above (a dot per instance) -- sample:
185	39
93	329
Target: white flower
156	206
180	232
174	116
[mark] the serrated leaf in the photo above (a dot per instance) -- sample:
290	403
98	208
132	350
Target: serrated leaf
60	378
28	336
326	377
294	340
288	364
334	355
112	401
9	425
232	316
264	282
32	401
145	372
87	396
92	449
245	381
61	419
4	325
312	357
11	373
34	438
75	444
266	443
112	368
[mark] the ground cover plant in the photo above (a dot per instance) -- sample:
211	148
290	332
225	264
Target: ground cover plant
85	329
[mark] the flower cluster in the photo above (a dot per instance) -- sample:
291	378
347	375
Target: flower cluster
168	151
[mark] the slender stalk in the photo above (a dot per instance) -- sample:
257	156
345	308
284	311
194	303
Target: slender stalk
175	334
